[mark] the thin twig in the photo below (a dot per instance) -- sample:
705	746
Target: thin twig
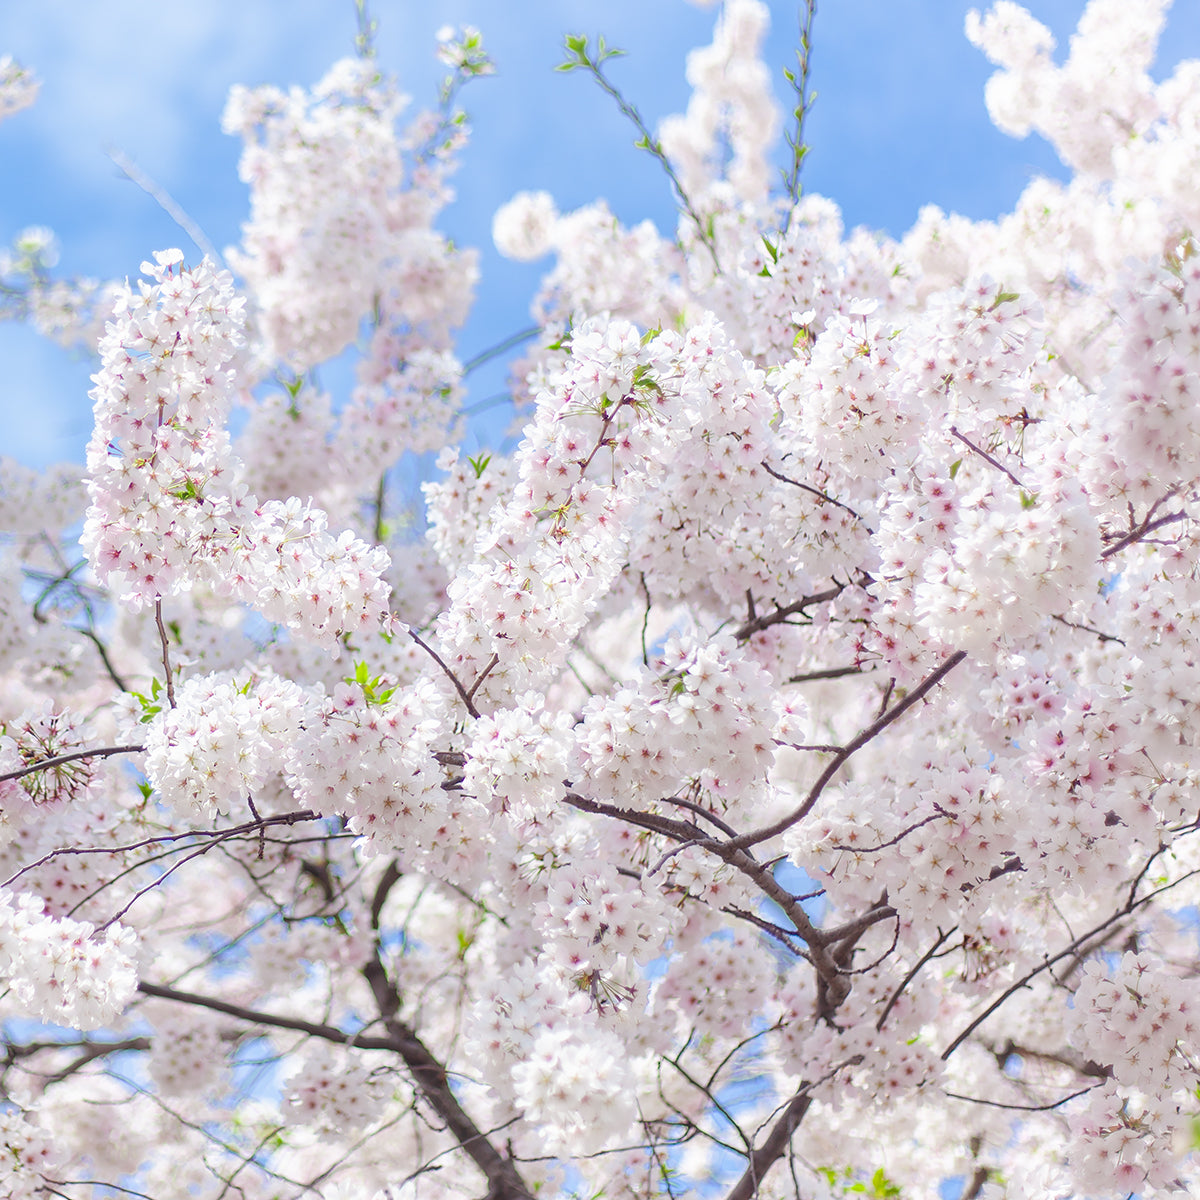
986	457
577	46
47	764
165	201
804	103
437	658
815	491
509	343
873	730
166	652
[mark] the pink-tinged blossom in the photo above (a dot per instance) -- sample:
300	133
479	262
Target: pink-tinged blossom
168	511
18	86
60	970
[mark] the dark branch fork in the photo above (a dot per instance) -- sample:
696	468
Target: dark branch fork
427	1073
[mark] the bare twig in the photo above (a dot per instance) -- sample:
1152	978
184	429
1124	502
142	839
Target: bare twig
872	731
166	652
766	620
47	764
770	470
464	695
986	457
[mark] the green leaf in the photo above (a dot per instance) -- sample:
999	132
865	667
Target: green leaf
954	467
1003	298
1028	500
479	464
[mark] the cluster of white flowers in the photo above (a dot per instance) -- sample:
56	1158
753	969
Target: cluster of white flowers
329	204
332	1092
27	1157
222	741
798	722
167	511
732	109
59	969
583	1097
18	87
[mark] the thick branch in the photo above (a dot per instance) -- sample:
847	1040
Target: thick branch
773	1149
505	1182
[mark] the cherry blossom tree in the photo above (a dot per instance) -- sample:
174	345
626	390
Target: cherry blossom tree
775	777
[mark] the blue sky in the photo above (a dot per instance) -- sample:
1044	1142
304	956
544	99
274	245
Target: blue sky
900	122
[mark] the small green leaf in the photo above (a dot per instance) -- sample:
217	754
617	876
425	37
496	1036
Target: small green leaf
1028	500
954	467
479	464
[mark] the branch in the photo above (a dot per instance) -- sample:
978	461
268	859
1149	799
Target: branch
679	831
903	984
504	1180
165	201
328	1033
578	55
986	457
804	103
872	731
765	1157
770	470
1136	535
830	673
166	649
509	343
1023	1107
464	695
758	624
255	826
47	764
1130	906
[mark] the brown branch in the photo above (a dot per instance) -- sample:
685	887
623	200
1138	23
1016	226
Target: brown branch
1136	535
492	663
47	764
464	695
809	488
892	841
328	1033
1125	910
504	1180
166	652
986	457
1023	1107
830	673
873	730
780	1137
679	831
903	984
758	624
1104	637
292	818
765	1157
